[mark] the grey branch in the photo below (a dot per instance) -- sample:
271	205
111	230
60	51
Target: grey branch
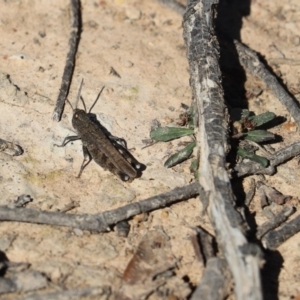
273	239
277	158
176	6
205	79
277	220
250	61
23	282
98	222
91	292
215	281
70	60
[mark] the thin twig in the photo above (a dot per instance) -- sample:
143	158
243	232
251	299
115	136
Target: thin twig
98	222
203	245
277	158
250	61
273	239
215	281
278	219
70	60
250	193
174	5
90	292
25	281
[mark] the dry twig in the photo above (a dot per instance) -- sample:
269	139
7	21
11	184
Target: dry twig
98	222
215	281
205	79
90	292
277	158
70	61
250	61
23	282
273	239
278	219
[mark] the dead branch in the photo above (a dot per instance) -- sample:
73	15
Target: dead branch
250	193
70	60
205	80
273	239
277	220
98	222
203	245
176	6
250	61
215	281
277	158
72	294
23	282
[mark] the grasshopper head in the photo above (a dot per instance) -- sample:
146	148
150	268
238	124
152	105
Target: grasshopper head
80	119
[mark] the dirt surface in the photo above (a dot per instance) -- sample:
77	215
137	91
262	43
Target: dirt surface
142	41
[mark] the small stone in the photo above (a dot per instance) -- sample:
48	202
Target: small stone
78	232
164	214
295	40
93	24
127	64
133	13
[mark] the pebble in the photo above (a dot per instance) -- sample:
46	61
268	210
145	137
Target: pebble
127	64
133	13
295	40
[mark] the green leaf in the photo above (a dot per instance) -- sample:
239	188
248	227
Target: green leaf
194	165
194	168
259	136
250	155
263	118
191	117
165	134
246	113
180	156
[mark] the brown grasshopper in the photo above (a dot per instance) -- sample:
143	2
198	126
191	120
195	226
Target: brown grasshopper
107	151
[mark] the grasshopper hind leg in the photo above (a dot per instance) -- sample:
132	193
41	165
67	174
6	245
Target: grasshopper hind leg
67	140
86	160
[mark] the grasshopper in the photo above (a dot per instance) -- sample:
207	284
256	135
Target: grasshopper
107	151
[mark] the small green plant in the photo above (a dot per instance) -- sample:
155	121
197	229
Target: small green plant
246	129
165	134
243	130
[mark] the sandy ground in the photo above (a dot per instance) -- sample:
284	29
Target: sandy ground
142	41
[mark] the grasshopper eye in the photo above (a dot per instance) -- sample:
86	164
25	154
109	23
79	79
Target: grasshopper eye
76	116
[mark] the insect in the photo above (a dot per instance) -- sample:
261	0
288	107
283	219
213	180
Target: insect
106	150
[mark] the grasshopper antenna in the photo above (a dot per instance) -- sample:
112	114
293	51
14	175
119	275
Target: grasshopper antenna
97	99
70	104
79	92
84	106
